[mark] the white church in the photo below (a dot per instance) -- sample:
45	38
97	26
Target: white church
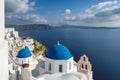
58	63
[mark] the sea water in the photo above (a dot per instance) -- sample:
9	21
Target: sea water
102	46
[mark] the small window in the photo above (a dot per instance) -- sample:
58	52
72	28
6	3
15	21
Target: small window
22	61
49	66
13	67
86	67
69	65
84	58
28	61
82	66
60	68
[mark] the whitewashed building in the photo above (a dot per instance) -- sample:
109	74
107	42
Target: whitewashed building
24	56
59	60
60	65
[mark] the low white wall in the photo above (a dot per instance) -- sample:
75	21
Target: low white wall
3	60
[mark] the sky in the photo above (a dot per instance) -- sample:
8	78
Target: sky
105	13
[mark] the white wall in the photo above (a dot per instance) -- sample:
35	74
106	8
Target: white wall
24	60
55	65
3	60
3	46
1	19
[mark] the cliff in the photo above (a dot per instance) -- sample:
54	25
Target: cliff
29	26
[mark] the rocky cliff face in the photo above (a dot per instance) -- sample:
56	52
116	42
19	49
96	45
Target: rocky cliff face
38	49
16	43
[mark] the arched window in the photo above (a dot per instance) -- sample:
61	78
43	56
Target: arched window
49	66
60	68
82	66
84	58
86	67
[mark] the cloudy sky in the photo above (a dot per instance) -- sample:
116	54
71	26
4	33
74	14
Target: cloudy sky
59	12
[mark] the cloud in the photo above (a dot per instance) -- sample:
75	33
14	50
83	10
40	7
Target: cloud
34	18
101	5
32	4
110	8
67	11
108	15
102	14
17	6
72	18
27	19
14	8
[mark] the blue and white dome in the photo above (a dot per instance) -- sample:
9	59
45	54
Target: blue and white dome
58	52
24	53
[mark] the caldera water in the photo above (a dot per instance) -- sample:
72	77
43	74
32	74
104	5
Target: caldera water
102	46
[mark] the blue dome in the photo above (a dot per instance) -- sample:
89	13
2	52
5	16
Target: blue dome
24	53
58	52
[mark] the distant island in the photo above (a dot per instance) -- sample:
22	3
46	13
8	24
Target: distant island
29	26
48	26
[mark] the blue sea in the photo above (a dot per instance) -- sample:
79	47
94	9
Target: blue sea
102	46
